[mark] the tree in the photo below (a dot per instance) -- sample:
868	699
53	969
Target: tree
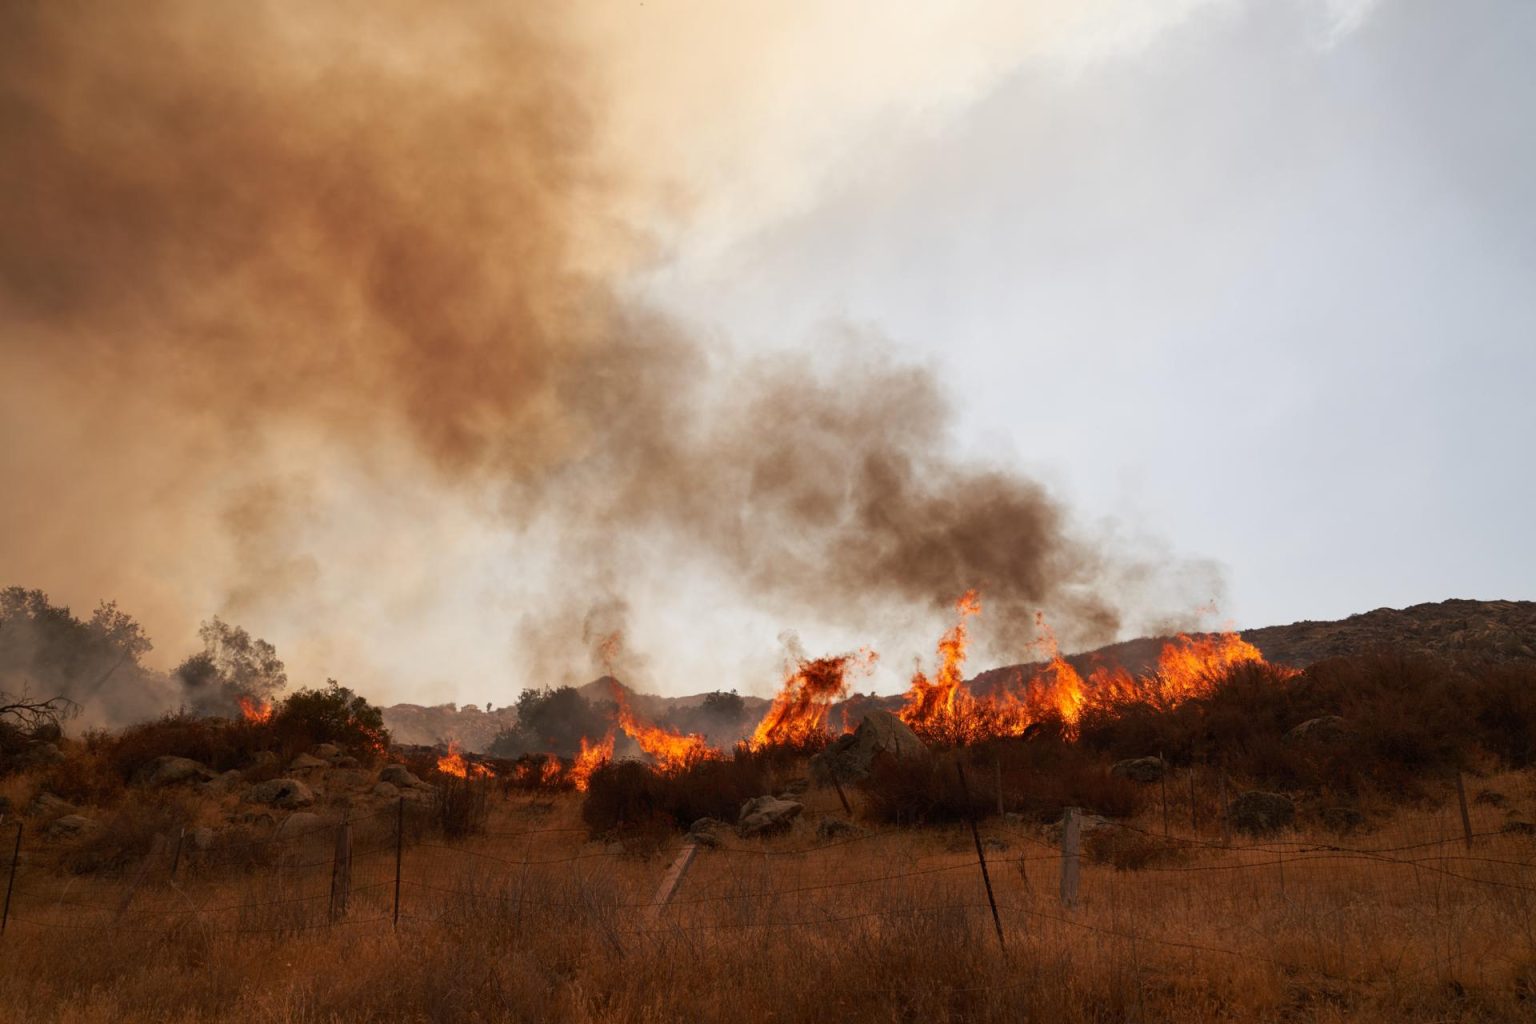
231	665
46	648
334	714
551	721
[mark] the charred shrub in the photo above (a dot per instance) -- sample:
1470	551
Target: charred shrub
923	791
85	776
460	807
624	794
331	715
215	742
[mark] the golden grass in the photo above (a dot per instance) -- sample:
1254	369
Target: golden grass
534	923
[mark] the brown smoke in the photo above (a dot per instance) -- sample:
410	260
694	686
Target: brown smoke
225	227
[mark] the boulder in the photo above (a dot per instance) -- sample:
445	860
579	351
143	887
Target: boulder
171	770
346	761
766	815
850	757
264	759
43	754
1258	813
225	783
706	832
69	826
400	775
1139	769
1319	732
287	793
47	803
305	762
297	825
349	778
328	751
386	791
829	828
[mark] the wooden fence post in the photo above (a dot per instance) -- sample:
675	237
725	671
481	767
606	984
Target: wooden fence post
1071	839
841	796
981	857
669	883
341	871
1466	819
10	883
399	854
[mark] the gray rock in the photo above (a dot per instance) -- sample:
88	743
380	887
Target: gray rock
264	759
386	791
305	762
346	761
850	757
286	793
1258	813
349	778
297	825
1319	732
69	826
400	775
42	754
219	785
830	828
765	815
1139	769
170	770
328	751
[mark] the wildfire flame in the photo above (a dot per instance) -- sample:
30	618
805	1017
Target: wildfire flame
798	714
673	751
255	710
453	763
944	709
592	757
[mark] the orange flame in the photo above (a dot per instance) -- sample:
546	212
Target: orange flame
255	710
592	757
673	751
798	714
453	763
944	710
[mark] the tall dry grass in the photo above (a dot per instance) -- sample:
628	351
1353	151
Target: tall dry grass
531	921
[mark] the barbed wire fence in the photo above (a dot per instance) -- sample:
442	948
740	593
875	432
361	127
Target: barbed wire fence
1453	885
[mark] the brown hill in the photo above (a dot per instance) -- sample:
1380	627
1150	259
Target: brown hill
1495	630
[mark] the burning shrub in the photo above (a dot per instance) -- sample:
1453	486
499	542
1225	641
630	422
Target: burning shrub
332	715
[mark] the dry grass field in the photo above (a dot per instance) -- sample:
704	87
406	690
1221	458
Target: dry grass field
531	921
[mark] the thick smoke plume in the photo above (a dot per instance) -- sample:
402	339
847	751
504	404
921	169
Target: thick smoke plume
231	233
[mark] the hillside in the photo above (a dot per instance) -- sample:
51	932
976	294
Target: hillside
1495	630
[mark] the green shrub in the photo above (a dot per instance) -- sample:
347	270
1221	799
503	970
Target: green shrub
331	715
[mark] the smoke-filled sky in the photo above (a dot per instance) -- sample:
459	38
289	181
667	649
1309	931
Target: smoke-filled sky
436	345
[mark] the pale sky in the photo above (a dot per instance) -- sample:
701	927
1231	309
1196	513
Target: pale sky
1262	287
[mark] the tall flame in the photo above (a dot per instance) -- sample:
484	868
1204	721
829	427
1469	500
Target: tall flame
592	757
798	714
942	708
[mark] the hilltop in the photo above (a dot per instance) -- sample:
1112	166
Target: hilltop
1492	630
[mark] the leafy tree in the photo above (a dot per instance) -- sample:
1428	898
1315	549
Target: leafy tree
231	665
44	649
552	721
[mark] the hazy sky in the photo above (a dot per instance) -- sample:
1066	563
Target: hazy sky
432	352
1263	287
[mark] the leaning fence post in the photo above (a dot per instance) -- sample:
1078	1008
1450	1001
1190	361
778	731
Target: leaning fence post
399	853
1466	819
1071	838
841	796
981	857
341	871
670	882
176	857
10	883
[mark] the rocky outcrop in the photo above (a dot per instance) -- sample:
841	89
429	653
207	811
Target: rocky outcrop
69	826
399	775
307	762
880	734
766	815
286	793
171	770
